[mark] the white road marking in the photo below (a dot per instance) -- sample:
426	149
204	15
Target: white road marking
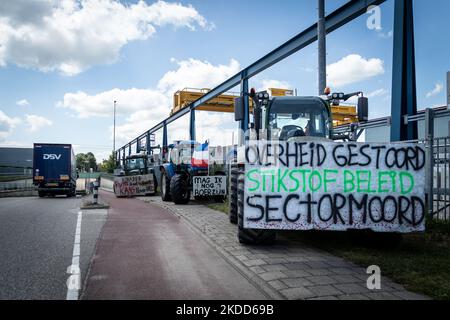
74	281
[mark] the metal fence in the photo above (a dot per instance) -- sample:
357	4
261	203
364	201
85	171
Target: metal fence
439	156
20	179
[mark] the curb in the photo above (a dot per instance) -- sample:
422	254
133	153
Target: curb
92	207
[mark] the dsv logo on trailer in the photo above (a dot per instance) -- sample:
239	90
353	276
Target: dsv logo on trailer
51	156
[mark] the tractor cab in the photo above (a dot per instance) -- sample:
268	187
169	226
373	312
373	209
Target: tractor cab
180	152
286	118
137	164
293	117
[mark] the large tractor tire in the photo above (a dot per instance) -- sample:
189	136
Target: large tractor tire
223	198
155	184
233	211
165	187
179	189
250	236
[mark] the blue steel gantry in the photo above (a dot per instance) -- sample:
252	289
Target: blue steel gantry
403	72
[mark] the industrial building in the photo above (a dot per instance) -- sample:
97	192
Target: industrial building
16	161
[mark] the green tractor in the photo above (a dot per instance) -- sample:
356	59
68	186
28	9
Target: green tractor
136	177
282	119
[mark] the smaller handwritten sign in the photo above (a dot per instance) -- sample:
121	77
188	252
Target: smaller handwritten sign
209	186
130	186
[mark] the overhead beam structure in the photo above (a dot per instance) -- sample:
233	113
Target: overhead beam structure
404	97
403	83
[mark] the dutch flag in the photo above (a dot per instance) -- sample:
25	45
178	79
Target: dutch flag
200	157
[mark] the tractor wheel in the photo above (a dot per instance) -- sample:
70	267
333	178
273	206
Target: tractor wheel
219	199
155	184
250	236
222	198
165	187
179	189
232	214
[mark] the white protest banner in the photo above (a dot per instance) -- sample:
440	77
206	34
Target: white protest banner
334	186
134	185
209	186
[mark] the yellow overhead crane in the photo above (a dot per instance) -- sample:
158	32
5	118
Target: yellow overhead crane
343	115
222	103
225	103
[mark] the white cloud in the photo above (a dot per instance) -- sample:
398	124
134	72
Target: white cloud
139	122
377	93
23	103
7	124
36	122
194	73
437	89
271	83
147	107
128	101
353	68
72	35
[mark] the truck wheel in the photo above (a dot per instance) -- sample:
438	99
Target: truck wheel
250	236
165	187
232	214
179	189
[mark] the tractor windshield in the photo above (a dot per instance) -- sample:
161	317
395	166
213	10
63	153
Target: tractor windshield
135	164
298	117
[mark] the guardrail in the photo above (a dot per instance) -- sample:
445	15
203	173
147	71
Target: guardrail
440	149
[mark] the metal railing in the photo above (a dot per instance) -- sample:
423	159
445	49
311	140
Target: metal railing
15	179
440	184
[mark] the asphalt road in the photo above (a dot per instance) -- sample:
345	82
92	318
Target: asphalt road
36	245
146	252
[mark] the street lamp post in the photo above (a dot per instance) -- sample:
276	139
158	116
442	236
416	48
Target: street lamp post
114	132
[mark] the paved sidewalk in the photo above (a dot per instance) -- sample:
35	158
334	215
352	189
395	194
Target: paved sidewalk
288	269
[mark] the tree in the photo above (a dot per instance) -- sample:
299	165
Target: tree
108	165
80	160
92	161
85	161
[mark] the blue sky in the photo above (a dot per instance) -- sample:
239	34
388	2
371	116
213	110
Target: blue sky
62	65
